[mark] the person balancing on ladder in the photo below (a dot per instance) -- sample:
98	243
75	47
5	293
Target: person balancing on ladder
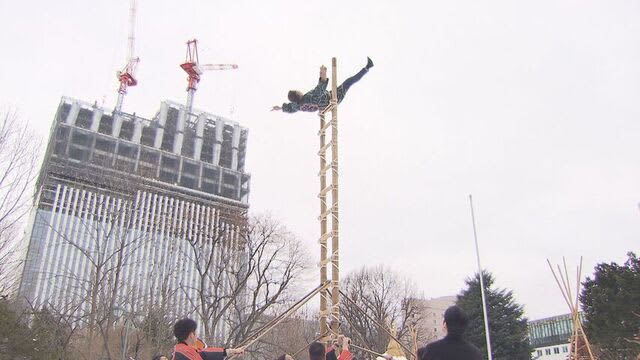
319	97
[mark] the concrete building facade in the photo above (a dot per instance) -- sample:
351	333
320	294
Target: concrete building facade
431	317
125	198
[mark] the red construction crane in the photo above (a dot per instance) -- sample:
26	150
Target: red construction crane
126	75
194	69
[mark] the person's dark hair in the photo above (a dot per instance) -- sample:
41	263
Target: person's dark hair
316	351
456	320
183	328
295	96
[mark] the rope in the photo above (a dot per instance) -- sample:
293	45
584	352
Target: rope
378	324
367	350
356	332
279	317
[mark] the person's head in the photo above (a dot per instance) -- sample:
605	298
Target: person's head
295	96
285	357
185	331
316	351
455	321
160	357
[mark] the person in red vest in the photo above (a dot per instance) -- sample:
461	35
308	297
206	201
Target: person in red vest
189	347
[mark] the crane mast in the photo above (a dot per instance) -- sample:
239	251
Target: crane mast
126	76
194	69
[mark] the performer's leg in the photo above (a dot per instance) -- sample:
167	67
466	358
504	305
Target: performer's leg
344	87
354	79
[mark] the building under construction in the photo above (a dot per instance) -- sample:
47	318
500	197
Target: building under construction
121	198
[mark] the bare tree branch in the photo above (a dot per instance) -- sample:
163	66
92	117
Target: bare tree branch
19	154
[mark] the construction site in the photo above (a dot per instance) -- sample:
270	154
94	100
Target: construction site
119	191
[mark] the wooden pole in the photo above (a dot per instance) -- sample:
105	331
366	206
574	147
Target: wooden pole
414	339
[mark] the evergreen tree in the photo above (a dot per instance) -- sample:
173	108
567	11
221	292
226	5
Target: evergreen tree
611	305
508	327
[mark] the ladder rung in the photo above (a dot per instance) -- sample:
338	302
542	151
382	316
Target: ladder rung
326	236
325	127
324	262
326	168
324	191
329	107
326	213
324	148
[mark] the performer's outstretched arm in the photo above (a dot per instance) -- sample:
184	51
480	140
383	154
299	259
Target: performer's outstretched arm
290	107
287	107
323	81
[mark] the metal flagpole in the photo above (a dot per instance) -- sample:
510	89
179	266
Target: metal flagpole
484	301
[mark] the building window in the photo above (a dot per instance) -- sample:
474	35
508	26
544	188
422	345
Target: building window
539	352
547	351
556	350
565	349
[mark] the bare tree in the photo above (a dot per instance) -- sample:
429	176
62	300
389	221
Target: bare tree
95	250
19	151
245	271
291	337
385	297
275	265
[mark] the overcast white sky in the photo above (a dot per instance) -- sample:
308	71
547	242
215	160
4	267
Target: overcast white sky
531	106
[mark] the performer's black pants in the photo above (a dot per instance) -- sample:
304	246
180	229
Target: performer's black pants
344	87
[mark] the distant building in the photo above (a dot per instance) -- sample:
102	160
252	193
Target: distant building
431	317
159	184
550	337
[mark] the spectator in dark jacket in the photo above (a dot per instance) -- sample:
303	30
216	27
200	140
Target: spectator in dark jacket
189	347
319	97
453	346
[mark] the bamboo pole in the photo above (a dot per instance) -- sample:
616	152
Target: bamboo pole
414	339
562	280
335	223
559	286
323	226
